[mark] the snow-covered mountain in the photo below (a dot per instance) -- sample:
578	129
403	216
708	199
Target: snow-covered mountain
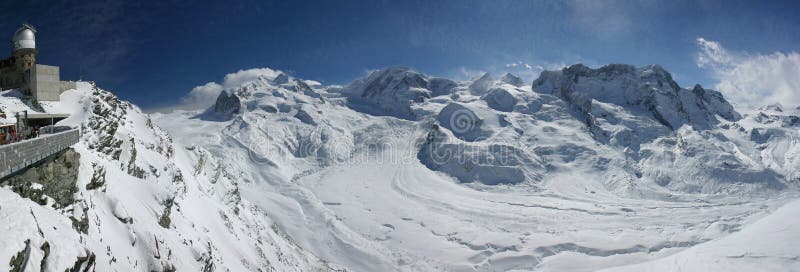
138	202
584	169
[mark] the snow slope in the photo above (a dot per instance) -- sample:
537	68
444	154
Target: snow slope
400	171
760	246
143	203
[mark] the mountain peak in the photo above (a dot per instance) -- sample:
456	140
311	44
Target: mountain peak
648	91
481	84
512	79
389	91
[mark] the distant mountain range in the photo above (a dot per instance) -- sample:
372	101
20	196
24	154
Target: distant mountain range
581	170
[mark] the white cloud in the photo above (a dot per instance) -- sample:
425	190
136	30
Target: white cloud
752	79
203	96
244	76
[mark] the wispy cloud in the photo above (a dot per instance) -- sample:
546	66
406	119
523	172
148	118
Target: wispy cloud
200	97
752	79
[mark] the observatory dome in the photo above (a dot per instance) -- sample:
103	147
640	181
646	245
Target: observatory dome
24	38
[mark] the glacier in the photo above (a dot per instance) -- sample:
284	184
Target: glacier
584	169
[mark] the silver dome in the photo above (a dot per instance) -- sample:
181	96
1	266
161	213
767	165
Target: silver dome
24	37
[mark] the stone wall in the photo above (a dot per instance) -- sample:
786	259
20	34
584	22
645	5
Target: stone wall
15	157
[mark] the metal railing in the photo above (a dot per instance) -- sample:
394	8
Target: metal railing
20	155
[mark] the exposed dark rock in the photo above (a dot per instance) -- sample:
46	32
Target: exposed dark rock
19	261
107	113
46	249
81	225
165	220
57	175
84	263
227	104
98	177
133	169
650	89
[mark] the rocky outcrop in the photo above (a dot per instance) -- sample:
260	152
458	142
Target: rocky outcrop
227	104
648	90
54	178
624	105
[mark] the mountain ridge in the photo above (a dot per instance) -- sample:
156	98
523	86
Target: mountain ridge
401	171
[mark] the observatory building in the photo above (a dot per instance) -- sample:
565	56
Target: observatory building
20	70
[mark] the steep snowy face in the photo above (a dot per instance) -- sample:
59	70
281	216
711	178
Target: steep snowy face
621	99
391	92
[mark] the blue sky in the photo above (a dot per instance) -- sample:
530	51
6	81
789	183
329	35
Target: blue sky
153	53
